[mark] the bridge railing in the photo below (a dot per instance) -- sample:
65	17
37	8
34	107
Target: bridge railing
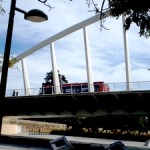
122	86
118	86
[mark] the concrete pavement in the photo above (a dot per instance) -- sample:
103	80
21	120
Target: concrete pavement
132	145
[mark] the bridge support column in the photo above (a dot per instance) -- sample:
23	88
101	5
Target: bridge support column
55	70
127	57
25	78
88	62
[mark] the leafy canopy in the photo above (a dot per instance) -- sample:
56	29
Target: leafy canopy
49	78
135	11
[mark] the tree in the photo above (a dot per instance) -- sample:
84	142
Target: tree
49	78
135	11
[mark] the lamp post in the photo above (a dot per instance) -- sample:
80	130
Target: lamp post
34	15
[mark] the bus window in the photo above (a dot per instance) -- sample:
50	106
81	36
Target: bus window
84	88
96	88
66	89
77	89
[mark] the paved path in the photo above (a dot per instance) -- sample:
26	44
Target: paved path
132	145
8	147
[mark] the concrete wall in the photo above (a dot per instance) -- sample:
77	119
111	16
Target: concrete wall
9	129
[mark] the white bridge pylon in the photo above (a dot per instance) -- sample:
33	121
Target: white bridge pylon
50	41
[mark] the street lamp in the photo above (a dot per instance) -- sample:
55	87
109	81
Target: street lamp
34	16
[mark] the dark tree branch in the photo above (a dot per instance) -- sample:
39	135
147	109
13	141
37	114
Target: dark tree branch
136	11
44	2
96	9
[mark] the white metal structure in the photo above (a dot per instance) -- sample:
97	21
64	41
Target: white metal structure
50	41
127	57
25	78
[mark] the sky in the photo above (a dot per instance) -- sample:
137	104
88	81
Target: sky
106	45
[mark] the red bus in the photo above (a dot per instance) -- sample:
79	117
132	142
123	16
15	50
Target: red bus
74	87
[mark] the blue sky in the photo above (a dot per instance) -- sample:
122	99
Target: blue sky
106	46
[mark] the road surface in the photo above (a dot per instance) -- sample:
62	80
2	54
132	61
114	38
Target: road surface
131	145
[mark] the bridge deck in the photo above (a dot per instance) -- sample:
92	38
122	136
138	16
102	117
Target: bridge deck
82	104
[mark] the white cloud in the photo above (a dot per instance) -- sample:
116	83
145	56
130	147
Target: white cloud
106	46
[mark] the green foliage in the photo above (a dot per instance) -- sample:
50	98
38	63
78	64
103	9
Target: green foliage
110	126
109	122
136	11
49	78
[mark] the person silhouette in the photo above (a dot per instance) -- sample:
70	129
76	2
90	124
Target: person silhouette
13	93
16	93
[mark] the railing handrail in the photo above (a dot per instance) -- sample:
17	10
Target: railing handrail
114	86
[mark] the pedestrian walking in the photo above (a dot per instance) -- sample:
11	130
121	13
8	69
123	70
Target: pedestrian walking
16	93
13	93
